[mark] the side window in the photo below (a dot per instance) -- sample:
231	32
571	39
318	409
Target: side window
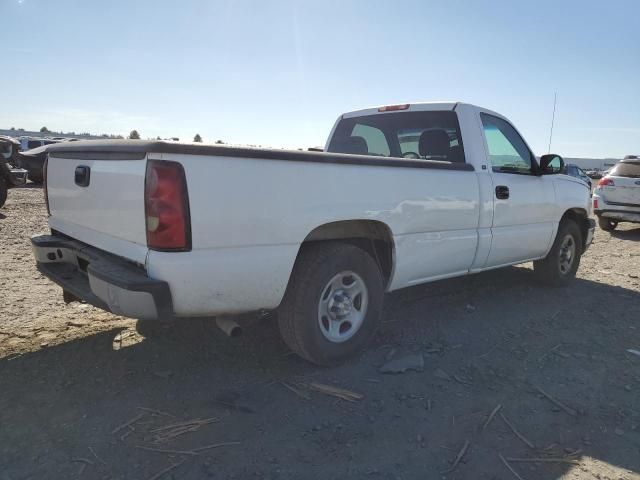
507	151
33	144
374	138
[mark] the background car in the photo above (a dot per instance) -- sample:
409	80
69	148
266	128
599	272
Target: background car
33	161
577	172
595	173
617	196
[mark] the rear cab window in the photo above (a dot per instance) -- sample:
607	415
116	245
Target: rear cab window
626	169
427	135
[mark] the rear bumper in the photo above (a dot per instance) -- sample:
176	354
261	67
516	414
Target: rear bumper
619	212
17	176
619	215
102	279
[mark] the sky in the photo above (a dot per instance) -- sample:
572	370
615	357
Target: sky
278	73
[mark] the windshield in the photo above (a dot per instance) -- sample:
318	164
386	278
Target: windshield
416	135
626	169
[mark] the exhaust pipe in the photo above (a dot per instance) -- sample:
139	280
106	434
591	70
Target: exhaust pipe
229	326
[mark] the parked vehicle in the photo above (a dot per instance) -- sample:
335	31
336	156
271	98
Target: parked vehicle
403	195
28	143
577	172
33	161
10	176
595	174
617	197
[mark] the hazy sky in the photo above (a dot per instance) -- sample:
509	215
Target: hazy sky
279	72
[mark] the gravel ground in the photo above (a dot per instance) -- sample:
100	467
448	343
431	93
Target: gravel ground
86	394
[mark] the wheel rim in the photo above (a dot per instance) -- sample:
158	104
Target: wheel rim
567	254
342	306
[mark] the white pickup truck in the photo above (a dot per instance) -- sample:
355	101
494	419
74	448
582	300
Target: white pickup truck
402	195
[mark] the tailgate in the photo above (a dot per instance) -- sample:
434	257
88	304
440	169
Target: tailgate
98	198
626	192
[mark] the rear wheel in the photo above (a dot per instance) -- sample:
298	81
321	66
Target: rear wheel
333	303
3	191
561	264
607	224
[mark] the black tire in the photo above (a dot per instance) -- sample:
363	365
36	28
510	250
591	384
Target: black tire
607	224
550	270
3	191
36	176
298	316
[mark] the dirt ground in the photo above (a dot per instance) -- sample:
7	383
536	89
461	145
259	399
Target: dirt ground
84	395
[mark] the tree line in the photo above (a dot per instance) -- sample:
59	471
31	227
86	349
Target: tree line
133	135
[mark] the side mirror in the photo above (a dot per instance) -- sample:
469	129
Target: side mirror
551	164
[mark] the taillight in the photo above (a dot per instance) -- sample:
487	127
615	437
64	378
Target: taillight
393	108
44	184
166	205
606	182
595	204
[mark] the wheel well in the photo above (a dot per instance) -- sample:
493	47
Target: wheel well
580	217
370	235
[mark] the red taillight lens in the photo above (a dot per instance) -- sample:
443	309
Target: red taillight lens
166	205
606	182
595	204
44	184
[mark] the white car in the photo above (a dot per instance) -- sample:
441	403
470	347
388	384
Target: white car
617	197
403	195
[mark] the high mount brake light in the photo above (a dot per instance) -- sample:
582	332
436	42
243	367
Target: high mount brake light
393	108
606	182
166	204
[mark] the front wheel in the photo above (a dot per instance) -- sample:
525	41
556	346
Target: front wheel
607	224
333	303
561	264
36	176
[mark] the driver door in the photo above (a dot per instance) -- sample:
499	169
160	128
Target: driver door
523	203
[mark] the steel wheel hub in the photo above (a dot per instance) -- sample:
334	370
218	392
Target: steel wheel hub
567	254
342	306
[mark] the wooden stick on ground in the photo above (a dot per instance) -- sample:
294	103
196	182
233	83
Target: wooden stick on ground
170	452
296	391
338	392
156	412
188	423
459	457
517	433
543	460
506	464
493	414
570	411
96	455
128	422
166	470
215	445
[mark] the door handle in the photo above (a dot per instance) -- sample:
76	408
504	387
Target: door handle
502	192
82	176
